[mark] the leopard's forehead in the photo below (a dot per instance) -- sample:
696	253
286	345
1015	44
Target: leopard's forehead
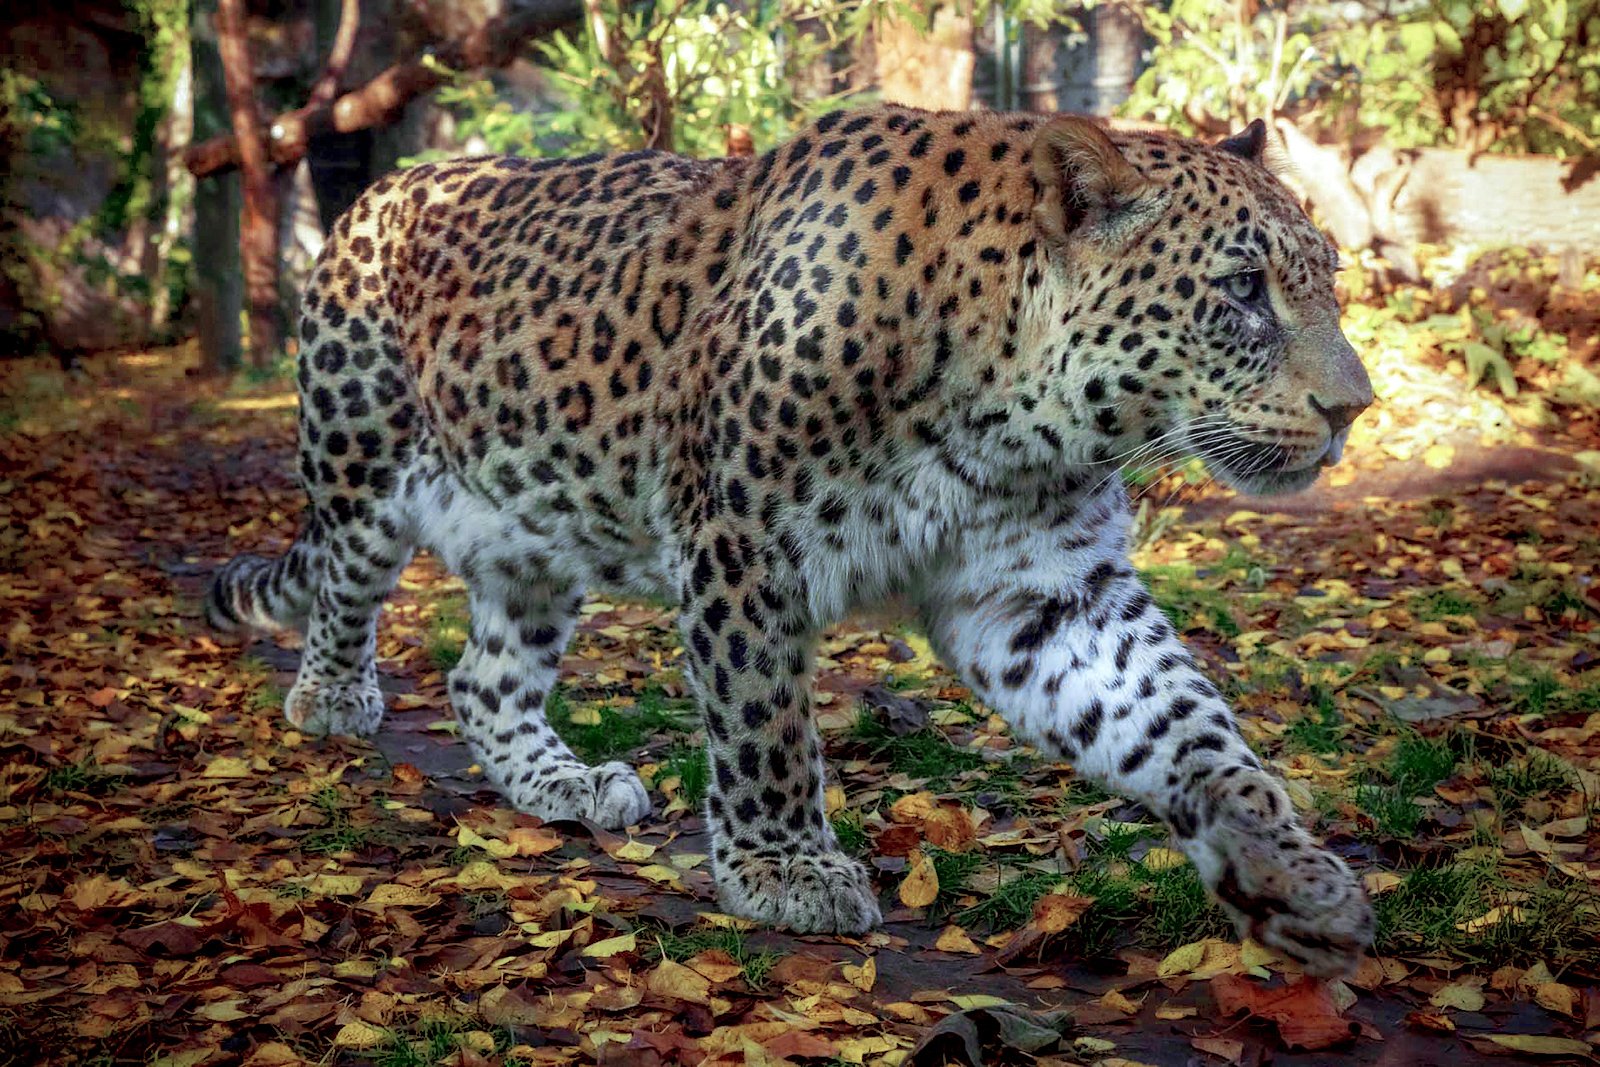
1233	205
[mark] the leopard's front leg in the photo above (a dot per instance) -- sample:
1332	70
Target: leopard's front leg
1058	633
773	853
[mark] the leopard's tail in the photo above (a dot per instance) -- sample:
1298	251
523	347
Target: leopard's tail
256	593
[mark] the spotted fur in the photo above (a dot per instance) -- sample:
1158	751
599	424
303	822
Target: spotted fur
903	354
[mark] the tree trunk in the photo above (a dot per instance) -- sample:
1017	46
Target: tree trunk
933	71
258	225
218	294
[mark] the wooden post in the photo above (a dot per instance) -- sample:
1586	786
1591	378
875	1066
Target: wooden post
218	289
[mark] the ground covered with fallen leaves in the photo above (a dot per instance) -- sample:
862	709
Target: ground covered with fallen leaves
1415	646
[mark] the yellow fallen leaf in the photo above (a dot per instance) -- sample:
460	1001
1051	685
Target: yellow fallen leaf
549	938
1054	912
634	851
1543	1046
222	1011
864	976
335	885
969	1001
1163	859
921	886
673	979
912	808
1173	1012
587	715
1460	996
716	965
359	1035
390	895
1116	1001
533	840
1557	997
1381	881
1439	457
466	837
955	939
833	799
226	767
661	874
611	946
1182	960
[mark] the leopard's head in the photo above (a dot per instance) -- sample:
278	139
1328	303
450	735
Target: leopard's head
1194	310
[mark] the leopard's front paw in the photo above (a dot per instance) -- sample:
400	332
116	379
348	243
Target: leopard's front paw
334	708
826	892
1302	901
1282	888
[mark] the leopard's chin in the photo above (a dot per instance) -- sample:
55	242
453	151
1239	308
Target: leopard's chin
1269	483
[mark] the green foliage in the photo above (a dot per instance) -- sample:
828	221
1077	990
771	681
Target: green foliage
339	832
1505	76
1011	905
34	122
695	65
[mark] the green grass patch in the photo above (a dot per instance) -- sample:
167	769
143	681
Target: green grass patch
1011	905
448	627
1527	777
849	832
431	1040
924	754
600	732
688	764
1416	765
1189	602
340	833
1420	763
657	943
1080	793
1471	911
1321	729
1158	909
1442	604
85	776
954	869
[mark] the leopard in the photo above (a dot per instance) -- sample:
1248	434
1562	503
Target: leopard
904	356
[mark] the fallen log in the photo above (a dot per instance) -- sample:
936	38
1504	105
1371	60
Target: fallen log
1393	200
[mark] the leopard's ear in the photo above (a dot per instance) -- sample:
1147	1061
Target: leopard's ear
1089	192
1249	143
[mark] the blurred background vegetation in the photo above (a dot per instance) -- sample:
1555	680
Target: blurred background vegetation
1449	145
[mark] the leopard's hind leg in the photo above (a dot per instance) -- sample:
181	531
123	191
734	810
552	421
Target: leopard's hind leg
337	691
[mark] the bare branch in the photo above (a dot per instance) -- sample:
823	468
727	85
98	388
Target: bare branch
494	43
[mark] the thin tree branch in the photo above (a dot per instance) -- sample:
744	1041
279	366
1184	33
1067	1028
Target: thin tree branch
379	102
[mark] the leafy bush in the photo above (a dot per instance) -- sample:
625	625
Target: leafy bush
1512	75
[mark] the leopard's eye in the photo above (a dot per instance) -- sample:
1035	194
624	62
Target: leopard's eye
1247	287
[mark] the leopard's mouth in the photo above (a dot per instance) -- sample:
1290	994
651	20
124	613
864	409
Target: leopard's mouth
1262	468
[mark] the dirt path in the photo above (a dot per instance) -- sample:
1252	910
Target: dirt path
185	878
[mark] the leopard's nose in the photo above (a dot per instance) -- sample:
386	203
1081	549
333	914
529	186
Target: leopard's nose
1339	416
